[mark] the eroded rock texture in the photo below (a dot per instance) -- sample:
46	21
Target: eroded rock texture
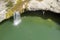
52	5
8	7
4	6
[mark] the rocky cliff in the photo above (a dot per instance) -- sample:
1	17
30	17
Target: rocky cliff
8	8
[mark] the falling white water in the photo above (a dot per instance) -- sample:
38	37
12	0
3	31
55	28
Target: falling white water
43	12
17	18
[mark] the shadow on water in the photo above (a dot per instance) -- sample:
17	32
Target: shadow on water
6	21
47	15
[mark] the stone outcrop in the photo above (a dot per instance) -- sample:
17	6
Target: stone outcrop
52	5
31	5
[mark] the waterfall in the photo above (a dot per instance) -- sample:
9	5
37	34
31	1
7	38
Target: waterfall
17	18
43	13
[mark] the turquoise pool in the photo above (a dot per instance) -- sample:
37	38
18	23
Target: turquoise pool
32	27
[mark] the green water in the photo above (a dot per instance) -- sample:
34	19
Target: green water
31	28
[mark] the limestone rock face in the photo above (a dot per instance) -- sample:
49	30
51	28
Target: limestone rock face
52	5
31	5
4	5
